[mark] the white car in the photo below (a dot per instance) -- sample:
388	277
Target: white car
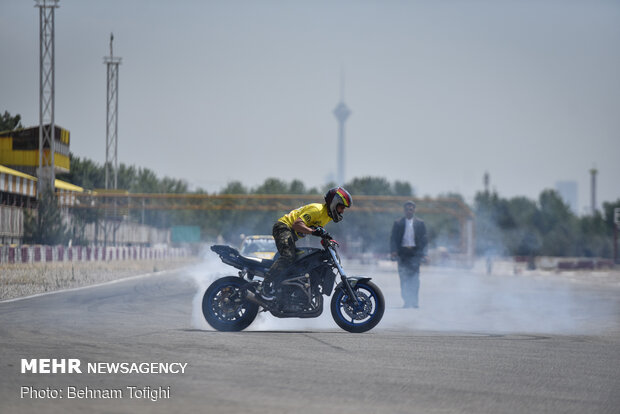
261	246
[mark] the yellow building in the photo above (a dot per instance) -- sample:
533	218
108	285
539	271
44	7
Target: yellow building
18	191
19	150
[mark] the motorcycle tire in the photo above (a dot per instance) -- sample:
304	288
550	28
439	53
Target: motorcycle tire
224	307
362	319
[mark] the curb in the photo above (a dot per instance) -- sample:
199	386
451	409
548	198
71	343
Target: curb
110	282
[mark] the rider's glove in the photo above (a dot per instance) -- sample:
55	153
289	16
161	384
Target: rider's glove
319	232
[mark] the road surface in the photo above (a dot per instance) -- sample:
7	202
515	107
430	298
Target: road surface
478	344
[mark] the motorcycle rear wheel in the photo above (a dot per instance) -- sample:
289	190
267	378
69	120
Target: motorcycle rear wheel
363	318
224	306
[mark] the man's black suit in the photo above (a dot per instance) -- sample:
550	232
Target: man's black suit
409	259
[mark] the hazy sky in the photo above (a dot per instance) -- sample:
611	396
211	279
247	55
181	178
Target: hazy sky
440	91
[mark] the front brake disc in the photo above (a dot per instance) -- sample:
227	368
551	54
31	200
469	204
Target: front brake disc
362	311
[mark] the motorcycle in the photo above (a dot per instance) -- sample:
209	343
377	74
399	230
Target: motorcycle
231	303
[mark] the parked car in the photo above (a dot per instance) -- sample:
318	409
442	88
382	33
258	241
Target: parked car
261	246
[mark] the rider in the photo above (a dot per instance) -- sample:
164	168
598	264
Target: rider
308	219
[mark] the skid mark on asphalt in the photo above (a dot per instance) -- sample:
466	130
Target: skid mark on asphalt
336	347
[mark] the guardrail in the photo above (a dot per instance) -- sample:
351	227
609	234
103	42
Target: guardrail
11	221
39	254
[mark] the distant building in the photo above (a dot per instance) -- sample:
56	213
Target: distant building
568	192
19	150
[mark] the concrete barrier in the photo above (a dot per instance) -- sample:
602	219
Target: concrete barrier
49	254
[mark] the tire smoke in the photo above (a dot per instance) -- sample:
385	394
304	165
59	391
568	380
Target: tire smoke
451	300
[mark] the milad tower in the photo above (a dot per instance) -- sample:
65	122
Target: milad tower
342	113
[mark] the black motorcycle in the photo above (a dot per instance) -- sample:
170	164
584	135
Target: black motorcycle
231	303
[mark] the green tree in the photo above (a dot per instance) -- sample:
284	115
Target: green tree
127	177
296	187
146	182
45	225
272	186
525	228
84	173
369	186
596	233
402	188
9	123
521	237
234	187
557	225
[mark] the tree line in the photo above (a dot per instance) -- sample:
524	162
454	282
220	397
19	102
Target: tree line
226	224
545	227
513	227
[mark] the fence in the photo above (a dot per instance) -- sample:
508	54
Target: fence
11	223
38	254
127	233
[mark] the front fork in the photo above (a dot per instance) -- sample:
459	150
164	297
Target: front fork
353	297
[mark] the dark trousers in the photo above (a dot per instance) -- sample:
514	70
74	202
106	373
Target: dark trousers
409	274
285	242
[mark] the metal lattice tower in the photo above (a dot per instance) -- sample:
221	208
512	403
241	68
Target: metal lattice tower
341	112
111	130
45	173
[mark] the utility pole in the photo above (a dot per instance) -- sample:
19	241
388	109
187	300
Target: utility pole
616	226
45	173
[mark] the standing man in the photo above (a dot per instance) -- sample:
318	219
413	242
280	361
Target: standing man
408	244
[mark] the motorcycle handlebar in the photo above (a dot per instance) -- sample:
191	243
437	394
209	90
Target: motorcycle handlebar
328	241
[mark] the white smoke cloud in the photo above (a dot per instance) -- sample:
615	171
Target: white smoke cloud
451	300
203	274
457	300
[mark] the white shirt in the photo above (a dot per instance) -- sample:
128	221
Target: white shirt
409	236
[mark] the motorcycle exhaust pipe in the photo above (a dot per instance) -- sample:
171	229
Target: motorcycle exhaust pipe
252	298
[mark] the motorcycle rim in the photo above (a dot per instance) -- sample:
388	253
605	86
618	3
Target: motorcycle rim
224	308
363	317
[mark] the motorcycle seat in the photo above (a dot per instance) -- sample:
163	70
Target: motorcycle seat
232	257
251	260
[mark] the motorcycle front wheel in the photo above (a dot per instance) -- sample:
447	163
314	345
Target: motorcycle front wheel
224	306
361	316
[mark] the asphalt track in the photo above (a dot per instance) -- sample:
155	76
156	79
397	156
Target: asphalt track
477	345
